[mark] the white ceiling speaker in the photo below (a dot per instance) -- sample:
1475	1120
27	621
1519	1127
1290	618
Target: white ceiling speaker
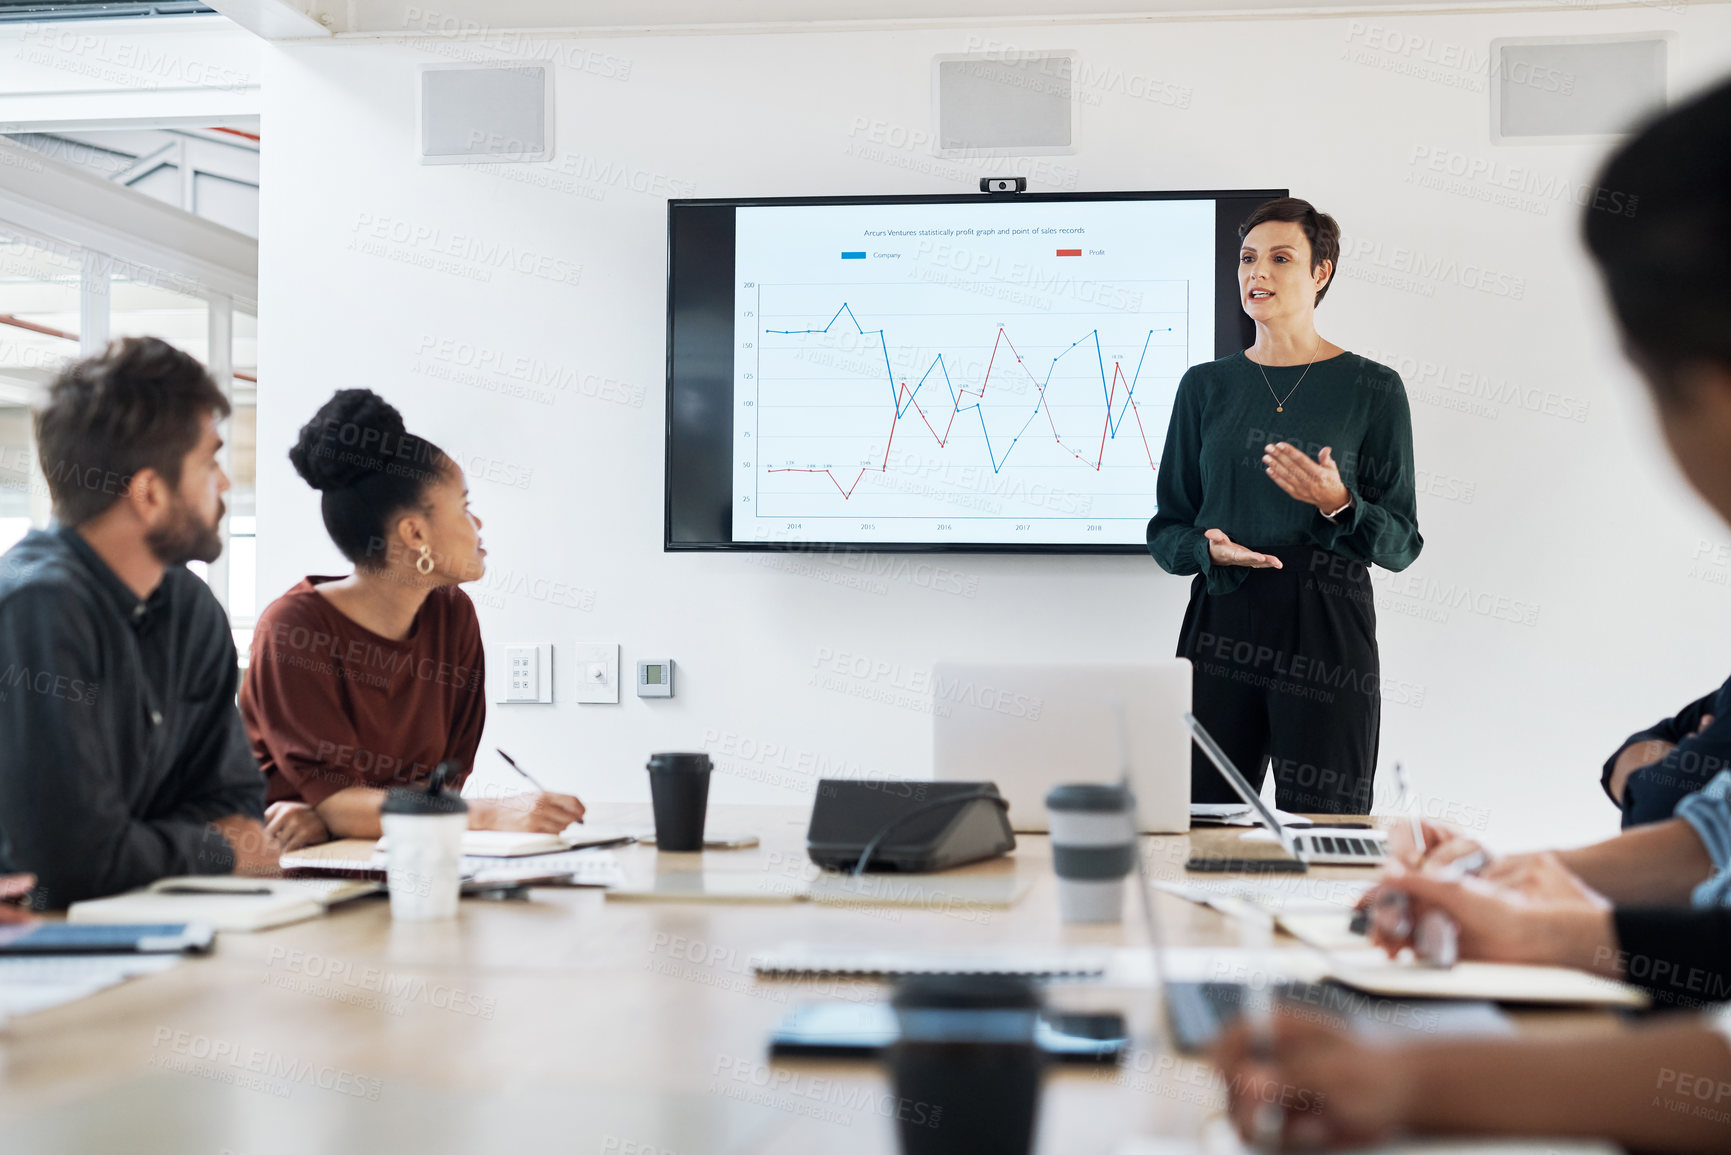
480	113
1008	103
1576	89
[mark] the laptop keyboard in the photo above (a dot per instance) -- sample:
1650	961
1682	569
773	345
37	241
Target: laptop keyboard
1198	1011
1340	844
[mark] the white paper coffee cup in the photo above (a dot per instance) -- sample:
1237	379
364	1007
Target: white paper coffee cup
423	864
1093	830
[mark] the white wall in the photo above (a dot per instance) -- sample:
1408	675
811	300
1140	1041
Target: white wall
1581	526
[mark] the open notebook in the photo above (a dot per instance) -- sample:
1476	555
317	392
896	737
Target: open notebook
517	844
357	856
225	901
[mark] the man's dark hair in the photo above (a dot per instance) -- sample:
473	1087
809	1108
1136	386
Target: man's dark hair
369	468
1320	230
139	404
1659	226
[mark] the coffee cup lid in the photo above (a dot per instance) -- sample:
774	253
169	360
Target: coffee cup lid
966	992
408	800
434	799
676	761
1089	796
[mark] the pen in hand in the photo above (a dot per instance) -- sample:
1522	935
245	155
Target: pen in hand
1412	811
527	777
1269	1118
512	763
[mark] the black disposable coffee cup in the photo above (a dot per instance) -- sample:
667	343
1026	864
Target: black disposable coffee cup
966	1065
679	788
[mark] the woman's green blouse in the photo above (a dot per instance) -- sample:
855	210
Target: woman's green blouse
1212	477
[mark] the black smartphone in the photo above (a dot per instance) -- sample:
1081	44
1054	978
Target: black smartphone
861	1030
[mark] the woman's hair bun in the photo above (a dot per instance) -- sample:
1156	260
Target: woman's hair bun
348	440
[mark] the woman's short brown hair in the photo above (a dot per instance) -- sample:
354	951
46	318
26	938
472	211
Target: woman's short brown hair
1320	229
139	404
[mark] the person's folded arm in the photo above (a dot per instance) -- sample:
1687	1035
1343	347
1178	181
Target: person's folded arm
1652	793
353	812
1644	747
64	814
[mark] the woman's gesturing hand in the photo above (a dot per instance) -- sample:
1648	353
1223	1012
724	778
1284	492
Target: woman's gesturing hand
1224	551
1312	482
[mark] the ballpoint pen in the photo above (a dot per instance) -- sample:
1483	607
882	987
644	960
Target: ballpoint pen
1412	813
512	763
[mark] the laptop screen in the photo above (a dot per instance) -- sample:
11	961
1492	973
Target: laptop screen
1237	781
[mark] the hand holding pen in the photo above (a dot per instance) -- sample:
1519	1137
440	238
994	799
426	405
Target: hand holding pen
1559	920
1419	843
1432	933
543	812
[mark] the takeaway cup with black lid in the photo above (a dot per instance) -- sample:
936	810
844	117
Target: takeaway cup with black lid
679	789
424	848
966	1064
1093	827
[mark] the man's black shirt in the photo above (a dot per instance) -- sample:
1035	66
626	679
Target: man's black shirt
119	735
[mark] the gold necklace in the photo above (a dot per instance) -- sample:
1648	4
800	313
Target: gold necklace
1279	401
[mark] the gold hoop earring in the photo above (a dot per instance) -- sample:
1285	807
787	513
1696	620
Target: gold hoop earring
424	563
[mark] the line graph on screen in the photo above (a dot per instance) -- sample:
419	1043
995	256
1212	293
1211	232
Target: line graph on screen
925	401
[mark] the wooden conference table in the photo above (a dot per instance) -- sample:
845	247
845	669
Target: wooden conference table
566	1023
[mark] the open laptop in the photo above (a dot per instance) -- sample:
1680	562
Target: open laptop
1029	726
1196	1011
1325	846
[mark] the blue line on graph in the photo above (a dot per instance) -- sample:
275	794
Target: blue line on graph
938	363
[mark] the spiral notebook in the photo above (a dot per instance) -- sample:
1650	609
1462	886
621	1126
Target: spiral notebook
798	960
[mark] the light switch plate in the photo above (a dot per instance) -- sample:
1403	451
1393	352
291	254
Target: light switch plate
528	674
655	678
597	672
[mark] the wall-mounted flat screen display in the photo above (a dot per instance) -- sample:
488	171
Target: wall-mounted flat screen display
979	373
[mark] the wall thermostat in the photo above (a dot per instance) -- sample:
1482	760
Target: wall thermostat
655	678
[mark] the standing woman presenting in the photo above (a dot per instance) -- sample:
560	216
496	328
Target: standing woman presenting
1288	471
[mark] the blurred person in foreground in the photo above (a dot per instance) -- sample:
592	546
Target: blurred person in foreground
1616	908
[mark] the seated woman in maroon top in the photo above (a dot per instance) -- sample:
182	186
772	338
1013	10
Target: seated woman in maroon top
365	682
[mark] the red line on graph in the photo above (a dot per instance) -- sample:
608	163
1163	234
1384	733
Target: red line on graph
1137	412
943	439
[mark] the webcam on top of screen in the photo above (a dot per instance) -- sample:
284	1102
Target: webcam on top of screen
1003	184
